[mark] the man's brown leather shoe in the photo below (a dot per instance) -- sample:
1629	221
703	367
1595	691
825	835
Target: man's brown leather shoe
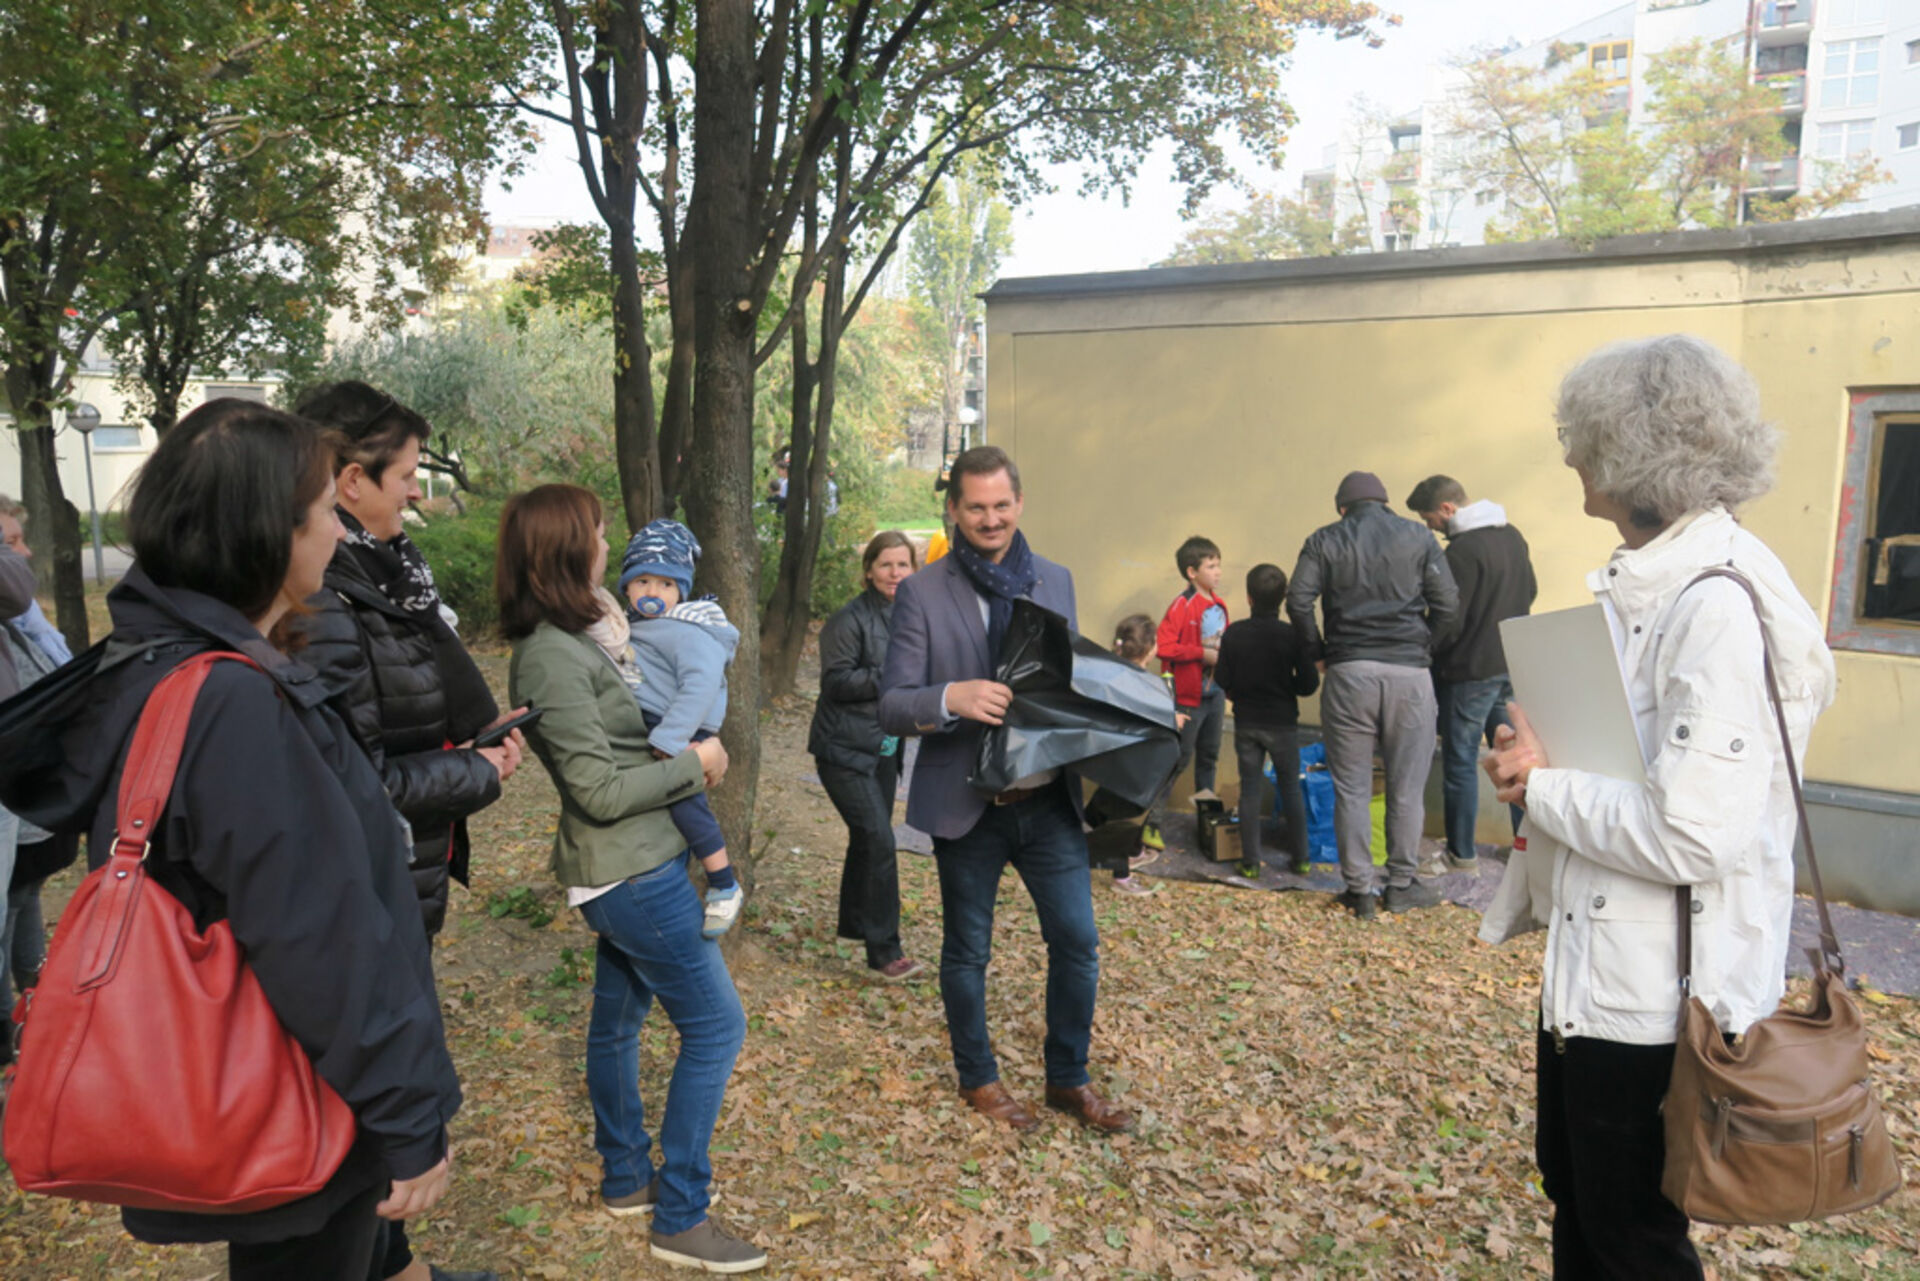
1081	1101
992	1100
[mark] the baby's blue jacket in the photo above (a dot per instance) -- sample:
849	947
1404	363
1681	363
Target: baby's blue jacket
683	676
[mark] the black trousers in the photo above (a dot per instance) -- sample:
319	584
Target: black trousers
1280	744
340	1251
870	877
1601	1145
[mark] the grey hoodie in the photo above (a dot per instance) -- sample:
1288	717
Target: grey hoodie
682	657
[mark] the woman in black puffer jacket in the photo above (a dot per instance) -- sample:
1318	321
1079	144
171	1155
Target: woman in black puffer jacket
859	766
385	645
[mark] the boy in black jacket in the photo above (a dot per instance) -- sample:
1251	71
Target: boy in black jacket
1264	669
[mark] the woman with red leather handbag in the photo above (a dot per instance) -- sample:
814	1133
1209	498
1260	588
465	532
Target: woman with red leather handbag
274	838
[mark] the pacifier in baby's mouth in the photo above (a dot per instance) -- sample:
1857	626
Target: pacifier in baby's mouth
649	606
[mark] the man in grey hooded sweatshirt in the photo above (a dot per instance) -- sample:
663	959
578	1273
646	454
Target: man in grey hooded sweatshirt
1494	572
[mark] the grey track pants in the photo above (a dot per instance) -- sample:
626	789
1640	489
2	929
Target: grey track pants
1364	705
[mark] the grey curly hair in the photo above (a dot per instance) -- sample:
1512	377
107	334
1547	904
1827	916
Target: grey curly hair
1665	426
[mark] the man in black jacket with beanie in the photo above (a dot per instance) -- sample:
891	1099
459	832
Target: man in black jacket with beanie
1492	568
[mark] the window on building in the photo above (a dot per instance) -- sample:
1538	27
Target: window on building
1611	58
1909	136
1855	13
237	391
1913	52
1851	74
117	439
1876	595
1844	139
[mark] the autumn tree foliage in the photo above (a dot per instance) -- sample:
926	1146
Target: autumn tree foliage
195	179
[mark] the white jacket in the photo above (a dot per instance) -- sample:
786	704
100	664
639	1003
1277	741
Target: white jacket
1716	813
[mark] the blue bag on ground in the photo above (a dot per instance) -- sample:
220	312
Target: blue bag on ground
1317	785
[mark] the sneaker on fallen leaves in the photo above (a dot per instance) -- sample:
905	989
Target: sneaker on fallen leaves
1145	858
1151	839
898	970
708	1247
723	909
1134	885
1251	871
637	1202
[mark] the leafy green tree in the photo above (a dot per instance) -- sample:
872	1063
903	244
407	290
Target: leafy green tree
955	253
1266	227
121	118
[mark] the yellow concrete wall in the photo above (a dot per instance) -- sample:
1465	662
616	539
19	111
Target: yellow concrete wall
1140	417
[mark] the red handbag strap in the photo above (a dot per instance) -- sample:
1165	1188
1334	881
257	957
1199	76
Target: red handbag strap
154	758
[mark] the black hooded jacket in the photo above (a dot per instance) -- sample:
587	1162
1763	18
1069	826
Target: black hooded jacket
386	674
278	825
853	650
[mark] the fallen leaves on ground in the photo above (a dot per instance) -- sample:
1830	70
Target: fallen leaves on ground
1317	1097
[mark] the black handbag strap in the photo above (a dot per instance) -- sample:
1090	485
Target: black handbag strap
1826	957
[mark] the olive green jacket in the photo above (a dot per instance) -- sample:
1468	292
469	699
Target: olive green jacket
593	741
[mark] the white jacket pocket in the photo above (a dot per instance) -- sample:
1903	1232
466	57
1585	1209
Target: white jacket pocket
1633	933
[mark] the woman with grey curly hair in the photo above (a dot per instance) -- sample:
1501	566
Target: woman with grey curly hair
1666	436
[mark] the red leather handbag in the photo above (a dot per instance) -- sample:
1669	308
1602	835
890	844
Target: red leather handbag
152	1071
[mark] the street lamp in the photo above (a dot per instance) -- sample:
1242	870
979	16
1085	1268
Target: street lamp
83	418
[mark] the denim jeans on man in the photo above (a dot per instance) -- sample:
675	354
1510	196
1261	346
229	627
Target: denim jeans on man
870	876
1469	712
1041	837
650	946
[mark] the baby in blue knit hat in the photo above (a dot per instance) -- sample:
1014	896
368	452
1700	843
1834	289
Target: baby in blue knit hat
674	653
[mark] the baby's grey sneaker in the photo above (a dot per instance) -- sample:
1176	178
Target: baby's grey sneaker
708	1247
723	909
641	1202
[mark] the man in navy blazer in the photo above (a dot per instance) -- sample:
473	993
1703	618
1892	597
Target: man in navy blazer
948	621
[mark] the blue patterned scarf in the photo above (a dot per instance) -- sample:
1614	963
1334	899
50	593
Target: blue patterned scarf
1002	583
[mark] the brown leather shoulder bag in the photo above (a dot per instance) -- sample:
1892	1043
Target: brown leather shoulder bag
1780	1125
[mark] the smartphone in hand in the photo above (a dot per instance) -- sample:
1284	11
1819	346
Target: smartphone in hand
497	734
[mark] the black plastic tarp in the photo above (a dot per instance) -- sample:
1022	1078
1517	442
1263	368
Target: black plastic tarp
1076	705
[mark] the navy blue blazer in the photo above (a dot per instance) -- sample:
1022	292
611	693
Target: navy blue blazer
939	635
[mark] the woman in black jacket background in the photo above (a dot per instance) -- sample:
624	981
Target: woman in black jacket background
384	644
859	766
276	822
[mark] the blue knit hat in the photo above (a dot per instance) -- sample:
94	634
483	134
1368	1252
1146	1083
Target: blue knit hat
664	548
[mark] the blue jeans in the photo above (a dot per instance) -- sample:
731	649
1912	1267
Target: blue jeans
1041	837
650	946
1469	712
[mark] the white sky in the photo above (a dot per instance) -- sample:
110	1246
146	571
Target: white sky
1064	233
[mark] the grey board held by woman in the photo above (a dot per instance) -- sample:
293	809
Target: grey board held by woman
1667	439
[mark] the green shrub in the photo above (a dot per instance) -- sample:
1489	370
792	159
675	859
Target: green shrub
460	551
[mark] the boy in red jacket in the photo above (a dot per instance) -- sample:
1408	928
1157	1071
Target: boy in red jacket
1189	645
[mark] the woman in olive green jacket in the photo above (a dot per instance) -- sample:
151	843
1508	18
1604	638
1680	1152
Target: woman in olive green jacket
625	868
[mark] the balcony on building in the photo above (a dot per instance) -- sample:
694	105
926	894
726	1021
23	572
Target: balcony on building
1773	177
1780	22
1792	88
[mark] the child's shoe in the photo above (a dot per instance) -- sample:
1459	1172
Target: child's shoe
1150	837
1133	885
1249	870
723	909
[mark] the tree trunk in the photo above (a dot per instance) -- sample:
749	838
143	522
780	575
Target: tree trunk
53	525
779	650
719	489
676	403
634	443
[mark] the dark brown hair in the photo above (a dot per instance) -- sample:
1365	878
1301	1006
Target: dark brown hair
543	568
1434	490
1133	638
880	542
981	460
1190	553
370	426
215	508
1266	589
